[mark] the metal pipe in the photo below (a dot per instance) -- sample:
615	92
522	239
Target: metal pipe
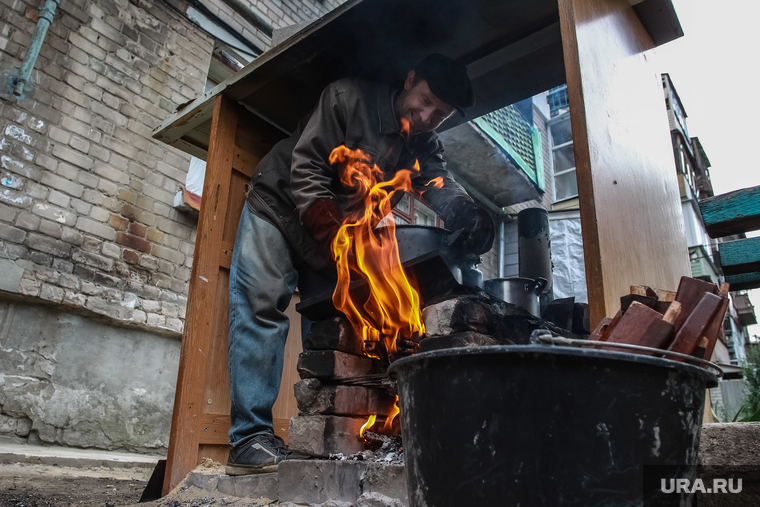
19	81
250	16
219	21
502	246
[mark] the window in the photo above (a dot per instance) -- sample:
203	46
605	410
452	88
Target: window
563	158
412	210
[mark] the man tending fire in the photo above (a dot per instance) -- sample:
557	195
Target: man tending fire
312	212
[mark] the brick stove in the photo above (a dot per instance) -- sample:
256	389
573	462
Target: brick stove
341	387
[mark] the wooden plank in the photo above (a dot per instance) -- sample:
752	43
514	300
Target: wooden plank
216	452
191	379
634	324
630	208
213	429
745	281
740	256
731	213
690	292
225	255
696	325
285	407
244	162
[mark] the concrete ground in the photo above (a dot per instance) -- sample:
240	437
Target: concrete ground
35	476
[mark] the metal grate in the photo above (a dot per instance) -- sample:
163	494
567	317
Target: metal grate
510	124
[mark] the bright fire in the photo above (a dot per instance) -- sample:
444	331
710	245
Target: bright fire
390	308
388	426
367	424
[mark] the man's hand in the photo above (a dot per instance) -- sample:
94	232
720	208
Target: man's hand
478	228
322	221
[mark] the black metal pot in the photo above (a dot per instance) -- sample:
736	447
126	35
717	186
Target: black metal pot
548	426
523	292
415	241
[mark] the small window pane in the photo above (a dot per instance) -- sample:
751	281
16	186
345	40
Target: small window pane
399	220
565	186
405	204
561	133
423	215
564	159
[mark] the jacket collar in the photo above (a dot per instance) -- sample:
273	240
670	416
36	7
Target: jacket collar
389	124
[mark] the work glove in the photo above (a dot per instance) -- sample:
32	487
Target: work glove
322	221
476	223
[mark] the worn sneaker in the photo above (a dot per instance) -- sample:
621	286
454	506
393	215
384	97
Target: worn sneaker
259	454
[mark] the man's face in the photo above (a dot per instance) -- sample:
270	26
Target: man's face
420	107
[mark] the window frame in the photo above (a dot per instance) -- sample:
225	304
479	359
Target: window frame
552	149
409	218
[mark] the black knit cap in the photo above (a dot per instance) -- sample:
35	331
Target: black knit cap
448	80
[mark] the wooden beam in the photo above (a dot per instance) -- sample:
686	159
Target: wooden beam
746	281
203	297
630	209
731	213
740	256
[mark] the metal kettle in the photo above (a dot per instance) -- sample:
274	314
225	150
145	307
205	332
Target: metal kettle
523	292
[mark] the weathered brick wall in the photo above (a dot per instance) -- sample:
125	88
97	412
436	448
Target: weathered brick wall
86	217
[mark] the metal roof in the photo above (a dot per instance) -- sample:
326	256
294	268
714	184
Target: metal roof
513	50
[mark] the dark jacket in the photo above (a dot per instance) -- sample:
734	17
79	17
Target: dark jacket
296	172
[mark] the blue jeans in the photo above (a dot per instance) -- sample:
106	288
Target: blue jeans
262	281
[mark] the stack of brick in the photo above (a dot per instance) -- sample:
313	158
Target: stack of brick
331	412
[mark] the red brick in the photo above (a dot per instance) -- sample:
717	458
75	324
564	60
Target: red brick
133	242
137	229
131	256
117	222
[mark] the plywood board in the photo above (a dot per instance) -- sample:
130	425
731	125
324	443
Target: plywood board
633	230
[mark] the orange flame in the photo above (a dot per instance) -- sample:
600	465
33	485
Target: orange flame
392	308
367	424
436	182
388	426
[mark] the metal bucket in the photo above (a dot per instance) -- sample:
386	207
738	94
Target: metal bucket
535	425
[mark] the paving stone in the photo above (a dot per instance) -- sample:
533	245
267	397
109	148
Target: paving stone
313	397
323	435
334	334
377	500
316	482
331	364
250	486
200	480
388	480
730	444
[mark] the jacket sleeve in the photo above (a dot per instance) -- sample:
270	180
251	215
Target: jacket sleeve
311	174
445	199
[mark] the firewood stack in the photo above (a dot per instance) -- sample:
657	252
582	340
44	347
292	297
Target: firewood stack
688	321
340	388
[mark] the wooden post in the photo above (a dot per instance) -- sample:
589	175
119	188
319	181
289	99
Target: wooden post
202	400
204	294
633	230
